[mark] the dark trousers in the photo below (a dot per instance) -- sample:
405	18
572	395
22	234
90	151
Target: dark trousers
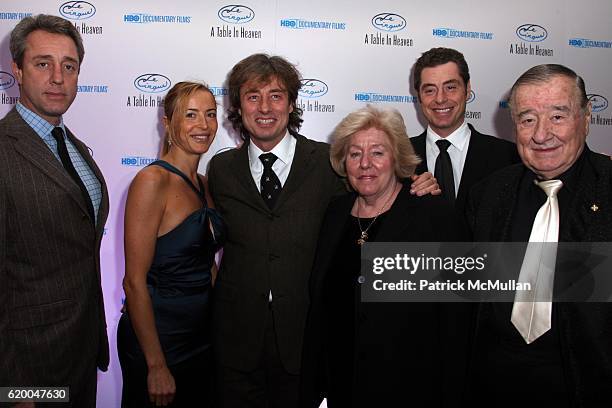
80	395
87	395
268	386
193	379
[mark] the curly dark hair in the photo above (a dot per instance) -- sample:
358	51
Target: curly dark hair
262	68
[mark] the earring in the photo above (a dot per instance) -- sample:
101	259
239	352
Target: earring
169	142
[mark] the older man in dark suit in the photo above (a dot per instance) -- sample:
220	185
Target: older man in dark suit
558	354
457	154
272	192
53	205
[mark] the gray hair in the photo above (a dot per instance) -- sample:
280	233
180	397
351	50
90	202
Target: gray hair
44	22
546	72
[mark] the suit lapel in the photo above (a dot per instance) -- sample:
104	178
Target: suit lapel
475	164
244	178
418	143
584	212
33	149
300	167
508	190
474	167
84	152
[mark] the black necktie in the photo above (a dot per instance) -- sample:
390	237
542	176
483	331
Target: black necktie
444	172
270	184
58	134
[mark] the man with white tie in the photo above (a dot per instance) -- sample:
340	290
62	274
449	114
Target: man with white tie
545	353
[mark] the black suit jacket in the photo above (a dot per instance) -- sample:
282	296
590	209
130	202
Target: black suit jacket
52	324
267	250
586	328
485	155
405	353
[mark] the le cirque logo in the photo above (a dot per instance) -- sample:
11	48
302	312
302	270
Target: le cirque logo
531	32
152	83
313	88
77	10
7	80
236	14
471	97
388	22
599	103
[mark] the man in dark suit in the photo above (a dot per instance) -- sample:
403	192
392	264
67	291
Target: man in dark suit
272	192
53	206
261	298
442	81
568	363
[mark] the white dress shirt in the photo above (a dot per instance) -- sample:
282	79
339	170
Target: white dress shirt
284	150
460	142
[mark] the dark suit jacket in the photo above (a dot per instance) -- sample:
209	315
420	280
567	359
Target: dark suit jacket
404	353
52	324
586	328
267	250
485	155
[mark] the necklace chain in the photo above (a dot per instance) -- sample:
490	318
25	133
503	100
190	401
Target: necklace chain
364	233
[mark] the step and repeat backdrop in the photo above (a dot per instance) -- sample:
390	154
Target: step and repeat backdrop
350	53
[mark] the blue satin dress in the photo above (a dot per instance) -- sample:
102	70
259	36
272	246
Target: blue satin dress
179	282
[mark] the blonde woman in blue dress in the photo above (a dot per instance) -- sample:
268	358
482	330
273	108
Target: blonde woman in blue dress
172	233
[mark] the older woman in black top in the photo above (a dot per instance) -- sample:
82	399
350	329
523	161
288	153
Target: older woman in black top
373	354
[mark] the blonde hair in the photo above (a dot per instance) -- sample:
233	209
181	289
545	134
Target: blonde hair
388	121
175	103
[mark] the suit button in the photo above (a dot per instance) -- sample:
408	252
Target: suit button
272	257
361	279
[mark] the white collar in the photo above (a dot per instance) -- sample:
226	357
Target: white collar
458	138
283	150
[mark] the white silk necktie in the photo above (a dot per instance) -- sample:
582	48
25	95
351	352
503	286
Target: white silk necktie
532	310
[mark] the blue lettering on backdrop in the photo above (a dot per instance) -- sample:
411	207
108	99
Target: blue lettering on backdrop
471	97
313	88
6	80
236	14
531	32
77	10
388	22
598	102
152	83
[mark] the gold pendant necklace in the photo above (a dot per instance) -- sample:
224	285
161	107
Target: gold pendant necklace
364	235
364	232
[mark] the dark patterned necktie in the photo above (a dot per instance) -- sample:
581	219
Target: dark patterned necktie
444	172
270	184
58	135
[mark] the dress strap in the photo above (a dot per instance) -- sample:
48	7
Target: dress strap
172	169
